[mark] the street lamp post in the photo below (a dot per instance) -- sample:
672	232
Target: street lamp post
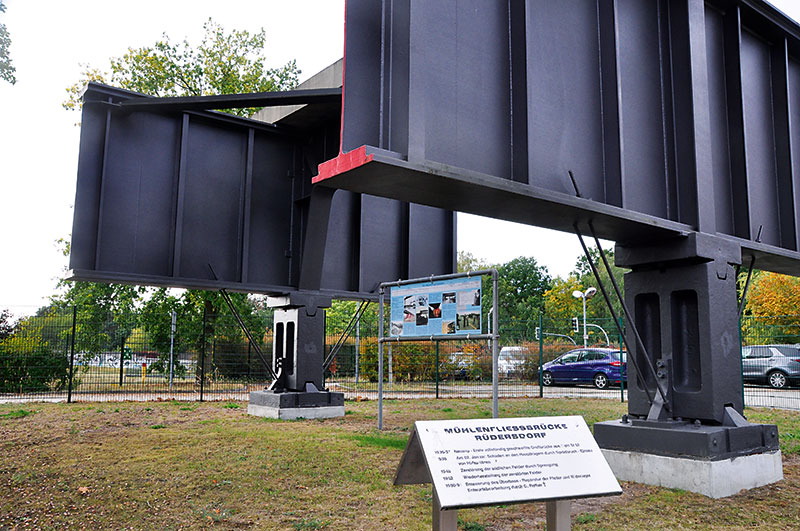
584	295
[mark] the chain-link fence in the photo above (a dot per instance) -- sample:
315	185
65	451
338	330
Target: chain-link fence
463	368
69	356
771	361
65	355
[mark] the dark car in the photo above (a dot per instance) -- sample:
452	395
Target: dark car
775	365
599	366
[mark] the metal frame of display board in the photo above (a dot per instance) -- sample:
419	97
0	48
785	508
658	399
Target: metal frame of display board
493	329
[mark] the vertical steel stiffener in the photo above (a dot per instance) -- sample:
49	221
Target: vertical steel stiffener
677	118
169	194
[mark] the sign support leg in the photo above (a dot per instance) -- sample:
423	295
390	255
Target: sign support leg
558	515
448	520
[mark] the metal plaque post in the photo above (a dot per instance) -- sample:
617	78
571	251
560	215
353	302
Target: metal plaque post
493	335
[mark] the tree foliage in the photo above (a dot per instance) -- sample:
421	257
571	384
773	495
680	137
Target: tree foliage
106	314
772	311
36	356
559	303
6	324
772	294
597	307
522	285
466	262
7	69
223	63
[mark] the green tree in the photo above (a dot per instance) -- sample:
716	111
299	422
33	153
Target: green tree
559	304
522	285
105	314
466	262
6	324
36	356
596	307
203	320
6	68
223	63
341	312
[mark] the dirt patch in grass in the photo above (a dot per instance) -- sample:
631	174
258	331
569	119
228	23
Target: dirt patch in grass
174	465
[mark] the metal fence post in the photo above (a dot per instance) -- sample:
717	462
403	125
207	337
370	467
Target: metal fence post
72	355
495	340
203	357
541	353
249	375
623	366
121	363
741	363
437	368
171	349
358	345
380	359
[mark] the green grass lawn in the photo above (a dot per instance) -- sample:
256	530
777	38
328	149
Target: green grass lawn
172	465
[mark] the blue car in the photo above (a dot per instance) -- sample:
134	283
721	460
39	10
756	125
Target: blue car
599	366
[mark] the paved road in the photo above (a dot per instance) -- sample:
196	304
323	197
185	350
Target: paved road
754	396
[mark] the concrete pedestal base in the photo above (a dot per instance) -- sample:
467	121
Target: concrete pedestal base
293	405
715	479
296	412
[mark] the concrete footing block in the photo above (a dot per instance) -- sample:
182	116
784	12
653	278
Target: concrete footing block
293	413
715	479
291	405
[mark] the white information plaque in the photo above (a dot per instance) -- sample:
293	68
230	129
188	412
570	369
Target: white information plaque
510	460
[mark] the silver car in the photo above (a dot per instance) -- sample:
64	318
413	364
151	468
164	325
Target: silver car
776	365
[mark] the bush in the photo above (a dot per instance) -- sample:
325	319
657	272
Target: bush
27	369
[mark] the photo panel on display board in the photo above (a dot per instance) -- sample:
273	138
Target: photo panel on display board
440	307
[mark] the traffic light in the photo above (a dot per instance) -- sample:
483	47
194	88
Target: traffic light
575	326
538	331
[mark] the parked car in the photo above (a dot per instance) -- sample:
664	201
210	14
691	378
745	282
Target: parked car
598	366
511	360
775	365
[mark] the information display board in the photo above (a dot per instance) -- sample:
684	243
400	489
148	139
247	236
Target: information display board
512	460
440	307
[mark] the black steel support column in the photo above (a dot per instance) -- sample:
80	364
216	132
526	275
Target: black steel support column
299	342
682	296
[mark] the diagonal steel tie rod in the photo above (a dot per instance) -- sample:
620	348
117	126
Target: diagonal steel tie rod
596	273
345	334
625	311
243	326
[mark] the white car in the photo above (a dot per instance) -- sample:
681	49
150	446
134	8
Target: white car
511	360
